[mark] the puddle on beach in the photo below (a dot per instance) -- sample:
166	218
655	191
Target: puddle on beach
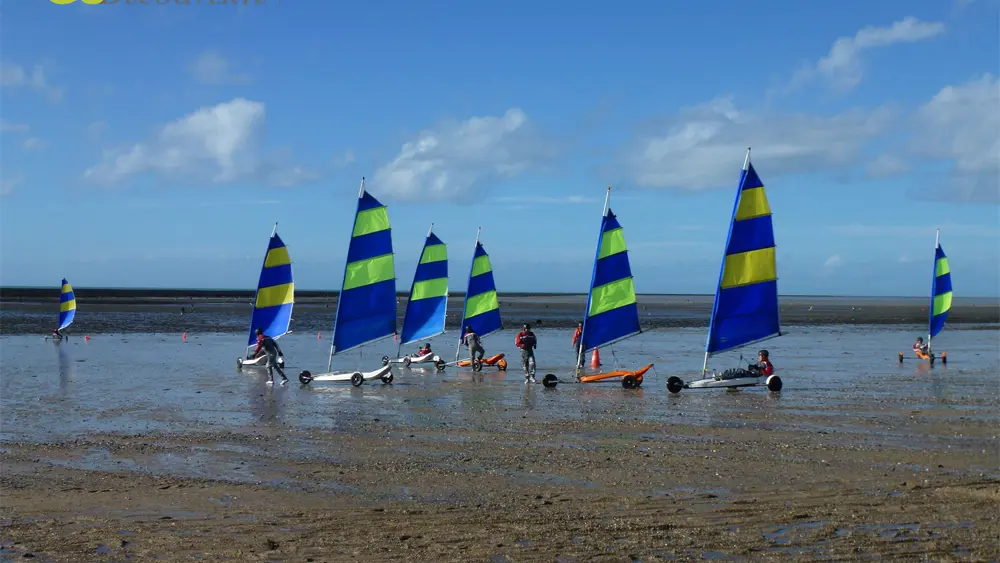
159	383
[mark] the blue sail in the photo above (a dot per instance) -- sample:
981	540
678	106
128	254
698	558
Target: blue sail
366	306
940	292
275	297
612	313
428	302
746	298
67	305
482	308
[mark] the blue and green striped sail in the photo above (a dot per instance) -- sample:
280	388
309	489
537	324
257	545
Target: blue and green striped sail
612	313
746	299
272	307
428	303
67	305
482	308
940	292
366	306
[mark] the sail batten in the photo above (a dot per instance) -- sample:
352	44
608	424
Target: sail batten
612	313
941	292
366	304
275	296
67	304
746	298
428	303
481	310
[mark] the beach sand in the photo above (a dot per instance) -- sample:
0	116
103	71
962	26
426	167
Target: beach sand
141	447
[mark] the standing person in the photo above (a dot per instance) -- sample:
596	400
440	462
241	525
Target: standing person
271	348
471	340
527	342
577	343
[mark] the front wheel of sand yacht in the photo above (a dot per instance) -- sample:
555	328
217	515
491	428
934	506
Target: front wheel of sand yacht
675	384
239	363
305	378
630	382
502	365
407	361
550	380
773	383
385	361
357	379
387	378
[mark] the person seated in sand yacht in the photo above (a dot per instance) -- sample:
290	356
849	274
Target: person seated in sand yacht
763	368
919	347
57	335
425	350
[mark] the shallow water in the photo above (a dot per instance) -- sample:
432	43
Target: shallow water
836	379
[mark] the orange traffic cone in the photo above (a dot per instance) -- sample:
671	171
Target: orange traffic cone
595	359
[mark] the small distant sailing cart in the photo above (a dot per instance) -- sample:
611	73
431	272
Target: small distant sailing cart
940	303
273	302
481	309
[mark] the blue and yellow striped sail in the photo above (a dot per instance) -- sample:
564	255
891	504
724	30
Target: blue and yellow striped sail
940	292
746	299
272	307
612	313
366	306
482	308
428	303
67	305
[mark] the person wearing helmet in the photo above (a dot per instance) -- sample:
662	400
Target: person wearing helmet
527	342
471	340
425	350
763	367
920	347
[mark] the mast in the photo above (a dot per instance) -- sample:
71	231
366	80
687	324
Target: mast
930	308
579	355
461	329
715	305
340	296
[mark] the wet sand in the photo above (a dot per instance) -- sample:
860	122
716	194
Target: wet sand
31	312
142	446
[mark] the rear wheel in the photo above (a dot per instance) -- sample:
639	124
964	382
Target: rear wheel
239	363
774	383
674	384
439	364
387	378
406	361
630	382
305	377
357	379
477	365
550	380
385	361
502	365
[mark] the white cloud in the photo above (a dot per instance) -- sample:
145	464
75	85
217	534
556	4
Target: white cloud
833	261
212	68
457	157
34	143
7	127
704	146
220	144
887	165
542	200
97	127
343	160
962	124
7	185
842	66
15	76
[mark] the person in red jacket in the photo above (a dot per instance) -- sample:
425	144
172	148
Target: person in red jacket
527	342
763	367
577	342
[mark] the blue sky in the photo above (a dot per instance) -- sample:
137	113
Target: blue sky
156	145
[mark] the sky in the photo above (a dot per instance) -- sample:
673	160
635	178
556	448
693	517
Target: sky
155	145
